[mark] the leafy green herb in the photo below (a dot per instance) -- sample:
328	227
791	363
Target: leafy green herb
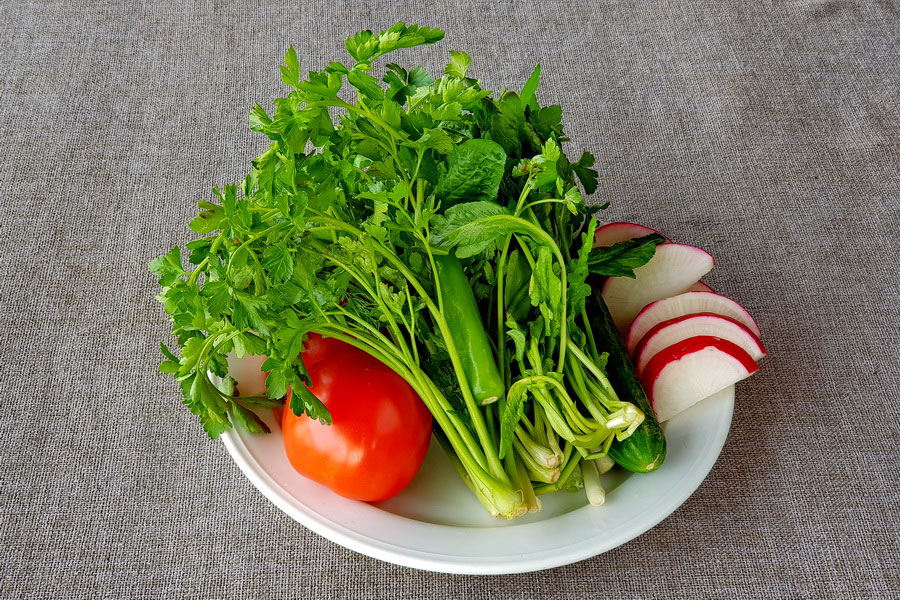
473	172
622	259
339	228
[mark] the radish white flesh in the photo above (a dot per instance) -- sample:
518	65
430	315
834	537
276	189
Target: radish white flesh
686	304
673	269
691	370
613	233
674	330
700	287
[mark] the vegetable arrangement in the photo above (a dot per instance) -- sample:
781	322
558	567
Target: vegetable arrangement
439	230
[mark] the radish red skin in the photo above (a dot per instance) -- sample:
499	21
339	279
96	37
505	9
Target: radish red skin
638	350
700	287
697	301
689	346
613	233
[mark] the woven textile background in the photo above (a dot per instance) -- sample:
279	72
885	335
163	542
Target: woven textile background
766	132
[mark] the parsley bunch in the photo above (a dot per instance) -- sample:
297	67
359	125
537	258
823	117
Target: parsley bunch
368	225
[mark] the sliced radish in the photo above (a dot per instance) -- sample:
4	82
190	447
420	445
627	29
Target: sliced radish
686	304
692	369
613	233
700	287
681	328
673	269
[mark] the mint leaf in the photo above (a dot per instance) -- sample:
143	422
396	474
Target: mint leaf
472	171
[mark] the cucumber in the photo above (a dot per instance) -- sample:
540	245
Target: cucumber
645	449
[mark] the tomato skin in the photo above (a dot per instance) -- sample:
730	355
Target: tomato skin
315	348
379	433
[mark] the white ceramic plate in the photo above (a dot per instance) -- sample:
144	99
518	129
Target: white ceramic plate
437	524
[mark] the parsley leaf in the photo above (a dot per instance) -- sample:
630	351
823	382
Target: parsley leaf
622	259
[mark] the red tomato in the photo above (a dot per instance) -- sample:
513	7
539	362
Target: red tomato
379	433
315	348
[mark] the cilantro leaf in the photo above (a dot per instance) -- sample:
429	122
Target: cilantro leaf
578	271
218	297
419	77
545	288
512	414
436	139
247	418
365	84
461	226
516	334
365	47
305	401
585	173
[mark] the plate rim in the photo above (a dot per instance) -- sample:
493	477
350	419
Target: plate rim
379	549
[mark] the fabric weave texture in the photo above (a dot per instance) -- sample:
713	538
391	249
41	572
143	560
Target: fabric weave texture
767	133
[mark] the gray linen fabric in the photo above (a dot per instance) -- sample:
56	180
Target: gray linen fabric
765	132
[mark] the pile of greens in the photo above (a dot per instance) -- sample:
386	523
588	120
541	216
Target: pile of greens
432	224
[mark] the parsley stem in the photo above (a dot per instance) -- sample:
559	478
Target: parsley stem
252	239
374	292
501	307
212	251
429	393
488	447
